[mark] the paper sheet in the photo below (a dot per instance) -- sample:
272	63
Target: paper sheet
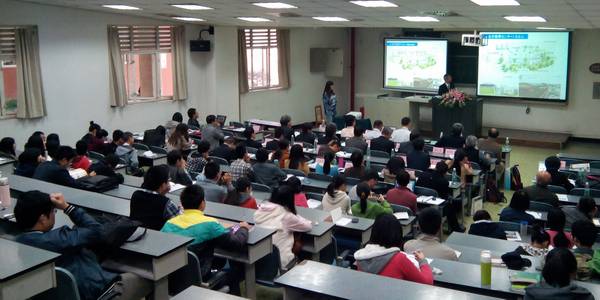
562	197
313	203
596	221
176	186
513	236
458	253
149	154
343	221
401	215
537	215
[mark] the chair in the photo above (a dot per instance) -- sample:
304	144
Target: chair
557	189
236	124
251	150
377	153
66	287
401	208
475	166
377	167
570	174
352	181
308	145
540	206
382	188
140	147
419	173
595	164
581	191
218	160
351	149
428	148
260	187
511	226
158	150
194	175
322	177
294	172
96	155
314	196
423	191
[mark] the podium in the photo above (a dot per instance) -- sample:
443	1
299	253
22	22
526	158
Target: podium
470	116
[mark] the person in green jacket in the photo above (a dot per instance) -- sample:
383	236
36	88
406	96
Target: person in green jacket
369	207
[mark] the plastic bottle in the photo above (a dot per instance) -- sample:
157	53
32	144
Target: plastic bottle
486	267
523	229
368	156
454	176
315	145
586	191
5	200
340	162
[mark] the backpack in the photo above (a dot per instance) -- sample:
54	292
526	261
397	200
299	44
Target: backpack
98	183
492	193
515	178
116	231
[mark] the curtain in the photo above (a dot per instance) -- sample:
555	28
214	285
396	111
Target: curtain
178	46
30	95
118	90
242	62
283	63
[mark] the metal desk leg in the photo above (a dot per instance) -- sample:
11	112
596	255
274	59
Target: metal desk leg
250	281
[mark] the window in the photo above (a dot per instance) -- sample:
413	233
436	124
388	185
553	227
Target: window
8	73
262	58
147	62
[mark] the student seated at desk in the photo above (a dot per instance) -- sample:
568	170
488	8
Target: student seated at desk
516	210
401	194
333	146
155	137
454	139
430	222
212	132
383	142
273	145
150	205
266	172
55	171
371	178
408	147
250	137
179	139
194	224
215	184
306	136
418	159
177	168
198	159
336	195
538	246
279	214
282	154
241	166
297	161
129	155
286	126
383	255
38	141
242	194
117	140
8	148
358	170
471	149
170	126
540	192
225	150
193	119
552	164
559	271
556	228
330	134
91	135
299	196
52	145
29	160
584	211
329	166
393	166
483	226
402	134
369	207
461	164
35	213
584	237
81	160
357	141
106	167
348	131
376	132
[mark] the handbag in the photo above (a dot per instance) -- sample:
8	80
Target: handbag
98	183
116	231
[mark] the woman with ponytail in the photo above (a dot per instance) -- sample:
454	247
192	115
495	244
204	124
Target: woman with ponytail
328	167
336	195
556	229
369	207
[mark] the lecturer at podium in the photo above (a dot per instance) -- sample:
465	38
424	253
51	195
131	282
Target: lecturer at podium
447	85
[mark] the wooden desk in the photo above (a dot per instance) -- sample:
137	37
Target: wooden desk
311	280
25	271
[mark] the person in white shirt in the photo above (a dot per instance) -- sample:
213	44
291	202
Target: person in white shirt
376	132
348	132
402	134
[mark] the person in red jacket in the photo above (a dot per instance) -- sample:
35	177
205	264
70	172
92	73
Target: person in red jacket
81	161
242	194
382	255
401	194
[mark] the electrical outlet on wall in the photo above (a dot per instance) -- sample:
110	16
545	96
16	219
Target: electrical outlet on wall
527	109
596	91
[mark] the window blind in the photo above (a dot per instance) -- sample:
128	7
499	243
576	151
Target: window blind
135	38
261	38
7	41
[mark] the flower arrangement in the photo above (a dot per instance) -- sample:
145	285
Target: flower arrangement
454	98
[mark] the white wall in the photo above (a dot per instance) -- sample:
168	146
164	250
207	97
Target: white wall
74	64
579	117
306	88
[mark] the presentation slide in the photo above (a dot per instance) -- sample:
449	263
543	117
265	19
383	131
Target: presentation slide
532	65
415	65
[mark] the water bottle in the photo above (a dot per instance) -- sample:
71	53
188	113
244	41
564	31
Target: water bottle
276	162
340	162
368	156
454	176
523	229
506	147
292	141
486	267
315	144
5	200
586	191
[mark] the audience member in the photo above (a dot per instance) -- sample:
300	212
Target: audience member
215	184
483	226
402	134
172	124
430	222
296	160
336	195
358	169
273	145
306	136
538	246
106	167
556	227
330	134
198	159
52	145
155	137
516	210
128	154
241	195
357	141
193	119
55	171
369	206
584	236
329	166
348	131
299	197
418	159
376	132
29	160
401	194
490	144
212	132
150	206
471	150
81	160
250	138
177	168
383	142
265	172
241	166
540	192
225	150
179	139
552	164
584	211
393	166
117	140
371	179
286	127
454	139
408	147
8	148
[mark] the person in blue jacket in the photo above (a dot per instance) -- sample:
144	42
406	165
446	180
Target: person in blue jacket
329	102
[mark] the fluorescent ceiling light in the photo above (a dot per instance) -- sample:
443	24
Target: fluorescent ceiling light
496	2
188	19
191	6
525	19
419	19
274	5
331	19
550	28
122	7
253	19
374	3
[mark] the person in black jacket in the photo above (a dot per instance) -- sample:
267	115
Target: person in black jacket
150	205
273	145
483	226
117	140
446	86
454	139
193	119
552	166
286	127
383	143
55	171
106	167
155	137
306	136
225	150
250	135
471	149
330	134
408	147
418	159
29	160
35	213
